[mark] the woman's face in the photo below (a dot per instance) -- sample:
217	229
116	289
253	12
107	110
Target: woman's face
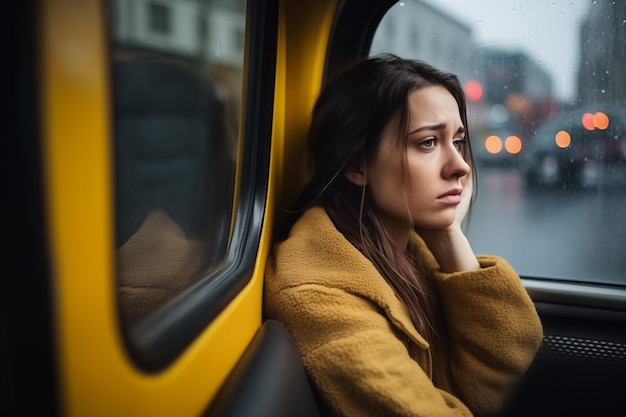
435	168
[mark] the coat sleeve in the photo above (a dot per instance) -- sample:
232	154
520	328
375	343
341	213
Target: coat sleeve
355	358
495	332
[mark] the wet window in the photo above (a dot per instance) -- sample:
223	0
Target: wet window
176	103
546	86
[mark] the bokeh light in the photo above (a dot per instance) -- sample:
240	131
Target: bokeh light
513	145
587	121
493	144
601	120
562	139
473	90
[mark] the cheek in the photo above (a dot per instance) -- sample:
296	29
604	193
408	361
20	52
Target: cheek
421	178
422	191
385	174
387	189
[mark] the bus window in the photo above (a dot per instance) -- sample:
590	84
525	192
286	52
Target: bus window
176	76
546	89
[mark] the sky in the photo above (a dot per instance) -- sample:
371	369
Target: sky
547	30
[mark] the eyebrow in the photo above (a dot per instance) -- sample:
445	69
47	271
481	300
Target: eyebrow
439	126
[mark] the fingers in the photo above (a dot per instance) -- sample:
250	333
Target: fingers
468	183
466	198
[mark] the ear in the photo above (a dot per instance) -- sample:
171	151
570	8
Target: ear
356	175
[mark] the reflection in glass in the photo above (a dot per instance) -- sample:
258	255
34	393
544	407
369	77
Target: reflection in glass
176	72
549	80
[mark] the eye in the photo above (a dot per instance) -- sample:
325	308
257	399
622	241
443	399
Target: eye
459	144
428	143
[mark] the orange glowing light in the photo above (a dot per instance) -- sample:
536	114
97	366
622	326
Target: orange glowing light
518	103
587	121
474	90
513	145
493	144
601	120
562	139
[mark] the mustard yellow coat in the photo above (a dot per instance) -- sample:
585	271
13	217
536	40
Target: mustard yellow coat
359	346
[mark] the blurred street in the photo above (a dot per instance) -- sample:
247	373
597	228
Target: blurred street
570	234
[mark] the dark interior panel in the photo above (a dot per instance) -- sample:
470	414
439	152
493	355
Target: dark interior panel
268	381
580	366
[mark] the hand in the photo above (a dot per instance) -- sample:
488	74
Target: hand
450	246
466	198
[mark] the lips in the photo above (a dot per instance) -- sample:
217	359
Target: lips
451	197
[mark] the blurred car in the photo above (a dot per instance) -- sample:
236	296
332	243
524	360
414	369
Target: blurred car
499	144
577	147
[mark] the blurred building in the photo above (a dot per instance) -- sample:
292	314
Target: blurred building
208	35
510	74
602	67
512	88
205	30
413	29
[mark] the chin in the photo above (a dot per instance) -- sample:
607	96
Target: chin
435	225
439	219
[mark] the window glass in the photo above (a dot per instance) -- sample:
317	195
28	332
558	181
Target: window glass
546	86
176	72
159	17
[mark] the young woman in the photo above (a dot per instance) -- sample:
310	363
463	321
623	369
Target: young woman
392	312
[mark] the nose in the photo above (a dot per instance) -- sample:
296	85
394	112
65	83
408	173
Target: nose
455	164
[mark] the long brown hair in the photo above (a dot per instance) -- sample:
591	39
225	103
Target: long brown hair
348	121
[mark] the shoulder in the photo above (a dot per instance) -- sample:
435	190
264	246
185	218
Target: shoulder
318	263
317	253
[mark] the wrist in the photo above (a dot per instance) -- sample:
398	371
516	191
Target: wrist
451	249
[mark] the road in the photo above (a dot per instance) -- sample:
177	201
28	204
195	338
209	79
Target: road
575	235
